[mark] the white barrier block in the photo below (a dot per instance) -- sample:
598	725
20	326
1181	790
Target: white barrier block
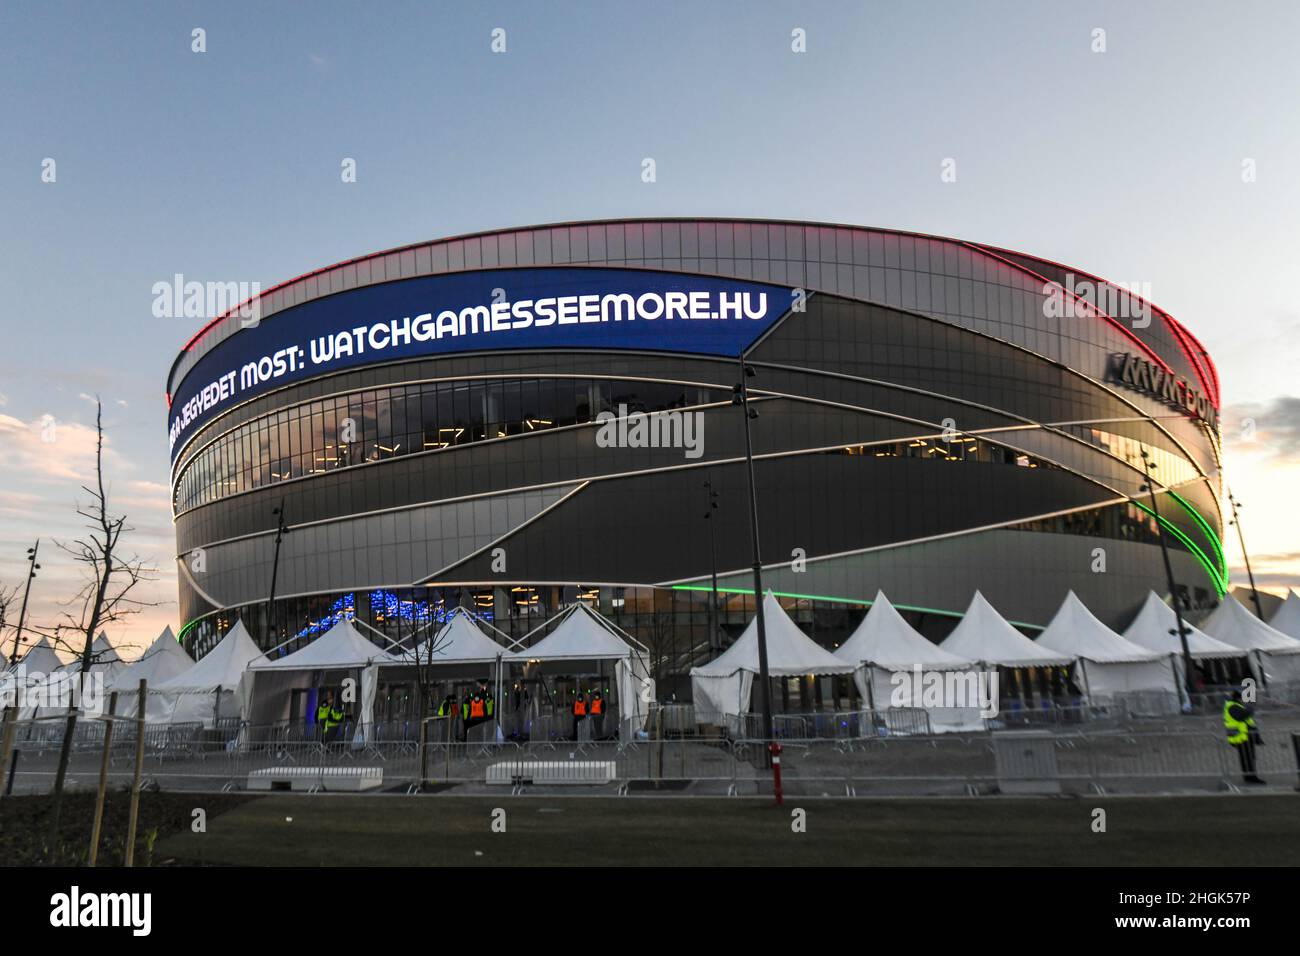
586	772
352	779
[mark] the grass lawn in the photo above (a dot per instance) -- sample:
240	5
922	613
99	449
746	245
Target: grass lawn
431	831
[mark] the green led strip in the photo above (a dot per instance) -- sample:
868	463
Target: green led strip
839	600
1220	584
190	626
1207	530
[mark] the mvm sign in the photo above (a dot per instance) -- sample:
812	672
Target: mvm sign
1143	376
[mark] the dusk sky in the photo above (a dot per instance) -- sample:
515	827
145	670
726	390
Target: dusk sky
1166	160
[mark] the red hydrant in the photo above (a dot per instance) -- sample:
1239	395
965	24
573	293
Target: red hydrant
774	749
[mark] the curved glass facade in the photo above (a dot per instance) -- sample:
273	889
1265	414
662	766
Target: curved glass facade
313	438
925	427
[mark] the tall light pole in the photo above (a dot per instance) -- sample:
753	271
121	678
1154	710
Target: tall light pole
1236	519
740	396
32	568
713	566
280	531
1147	465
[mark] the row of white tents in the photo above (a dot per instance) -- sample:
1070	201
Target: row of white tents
237	679
1146	659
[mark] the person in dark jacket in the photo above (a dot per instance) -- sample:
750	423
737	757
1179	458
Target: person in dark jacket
1243	735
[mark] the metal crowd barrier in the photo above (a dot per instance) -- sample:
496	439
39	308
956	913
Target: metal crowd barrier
850	753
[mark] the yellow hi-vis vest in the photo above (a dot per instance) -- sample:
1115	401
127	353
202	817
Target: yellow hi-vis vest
1238	730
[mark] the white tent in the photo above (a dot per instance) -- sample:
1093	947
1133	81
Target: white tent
582	634
37	668
1277	655
164	659
1287	617
1155	626
39	659
984	636
723	685
458	641
340	648
1108	664
885	645
211	687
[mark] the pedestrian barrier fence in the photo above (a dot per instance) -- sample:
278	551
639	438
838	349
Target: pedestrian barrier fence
858	752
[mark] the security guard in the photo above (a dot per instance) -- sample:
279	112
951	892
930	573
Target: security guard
596	710
1239	722
579	710
329	716
477	709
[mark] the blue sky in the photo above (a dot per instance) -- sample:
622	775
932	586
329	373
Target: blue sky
224	166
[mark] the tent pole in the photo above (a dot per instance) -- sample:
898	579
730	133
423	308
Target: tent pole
1087	686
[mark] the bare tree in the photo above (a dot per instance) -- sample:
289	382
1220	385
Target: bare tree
7	596
107	596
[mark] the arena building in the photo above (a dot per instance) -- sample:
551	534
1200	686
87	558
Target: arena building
514	420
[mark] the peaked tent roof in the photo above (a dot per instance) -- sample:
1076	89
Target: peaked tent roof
105	658
40	658
223	666
165	658
1074	630
1287	617
458	641
582	635
984	635
339	648
1153	628
886	640
789	651
1232	623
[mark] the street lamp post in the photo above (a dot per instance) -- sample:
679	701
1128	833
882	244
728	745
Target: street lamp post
280	531
740	396
1183	631
714	643
32	568
1236	519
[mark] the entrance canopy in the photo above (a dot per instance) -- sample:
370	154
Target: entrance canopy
582	635
459	641
984	636
1155	626
342	647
